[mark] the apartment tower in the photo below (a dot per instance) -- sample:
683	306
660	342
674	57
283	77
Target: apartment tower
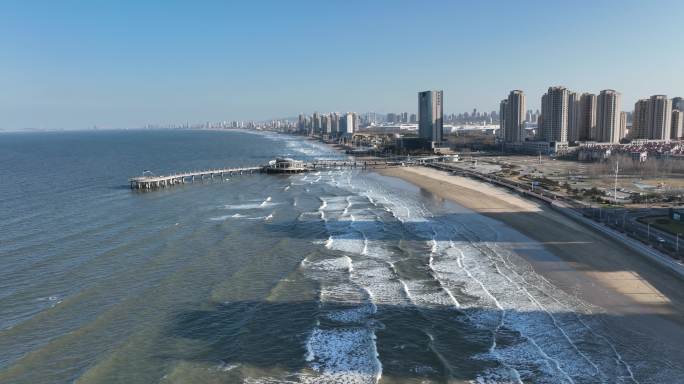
431	116
555	115
608	117
514	117
573	116
676	132
659	117
587	117
639	120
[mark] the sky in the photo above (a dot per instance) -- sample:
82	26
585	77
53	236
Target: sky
123	64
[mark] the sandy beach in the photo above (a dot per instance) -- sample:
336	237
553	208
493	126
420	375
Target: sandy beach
639	295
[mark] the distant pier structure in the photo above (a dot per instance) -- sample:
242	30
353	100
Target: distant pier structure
286	166
153	181
280	165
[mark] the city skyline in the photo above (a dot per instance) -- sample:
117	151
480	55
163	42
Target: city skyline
129	64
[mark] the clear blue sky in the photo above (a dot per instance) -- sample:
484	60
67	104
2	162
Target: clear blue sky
75	64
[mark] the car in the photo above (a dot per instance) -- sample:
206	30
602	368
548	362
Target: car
660	239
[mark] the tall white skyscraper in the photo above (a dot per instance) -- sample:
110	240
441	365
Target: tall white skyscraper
514	117
587	117
347	124
431	116
608	116
555	115
659	117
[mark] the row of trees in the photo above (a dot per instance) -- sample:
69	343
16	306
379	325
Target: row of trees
651	168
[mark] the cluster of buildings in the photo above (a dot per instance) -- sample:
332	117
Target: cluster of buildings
569	117
473	118
658	118
329	124
568	120
402	117
429	123
282	124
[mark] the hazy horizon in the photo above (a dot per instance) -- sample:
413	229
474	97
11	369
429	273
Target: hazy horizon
76	65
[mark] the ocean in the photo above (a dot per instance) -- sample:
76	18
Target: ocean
335	276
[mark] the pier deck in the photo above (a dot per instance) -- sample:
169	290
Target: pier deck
147	182
152	182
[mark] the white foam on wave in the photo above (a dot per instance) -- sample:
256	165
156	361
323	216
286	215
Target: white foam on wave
556	340
343	263
475	275
226	367
226	217
343	355
321	209
349	205
329	243
549	342
246	206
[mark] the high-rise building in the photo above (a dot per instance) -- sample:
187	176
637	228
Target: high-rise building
301	123
677	130
608	116
623	124
555	114
587	117
659	117
678	103
430	116
413	119
573	116
347	123
325	125
334	122
316	122
503	112
514	117
640	120
371	118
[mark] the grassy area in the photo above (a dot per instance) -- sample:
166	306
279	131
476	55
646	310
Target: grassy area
664	223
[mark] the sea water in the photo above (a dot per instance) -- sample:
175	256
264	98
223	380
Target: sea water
333	276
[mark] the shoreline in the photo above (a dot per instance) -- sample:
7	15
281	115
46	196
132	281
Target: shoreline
627	281
647	298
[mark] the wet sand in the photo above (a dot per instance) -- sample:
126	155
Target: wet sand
647	299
